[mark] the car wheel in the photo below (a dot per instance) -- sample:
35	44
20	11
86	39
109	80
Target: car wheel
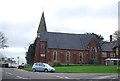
52	71
45	70
34	70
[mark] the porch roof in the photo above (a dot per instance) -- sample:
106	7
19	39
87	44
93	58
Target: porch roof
112	59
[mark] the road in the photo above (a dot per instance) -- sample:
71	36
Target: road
13	73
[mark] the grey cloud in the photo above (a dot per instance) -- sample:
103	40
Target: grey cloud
19	34
85	11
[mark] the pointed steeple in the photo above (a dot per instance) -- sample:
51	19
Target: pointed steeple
42	25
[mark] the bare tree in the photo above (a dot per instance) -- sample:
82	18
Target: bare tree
2	40
116	35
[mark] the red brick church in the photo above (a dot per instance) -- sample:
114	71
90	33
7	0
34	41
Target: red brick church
70	48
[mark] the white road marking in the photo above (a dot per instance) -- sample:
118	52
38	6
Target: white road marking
107	77
57	76
66	78
63	77
16	76
21	77
9	73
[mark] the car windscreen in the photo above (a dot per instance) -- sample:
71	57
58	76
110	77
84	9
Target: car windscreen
47	65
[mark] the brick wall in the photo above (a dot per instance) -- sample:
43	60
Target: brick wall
39	54
36	57
61	54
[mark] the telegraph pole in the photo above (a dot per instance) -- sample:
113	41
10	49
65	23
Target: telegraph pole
18	60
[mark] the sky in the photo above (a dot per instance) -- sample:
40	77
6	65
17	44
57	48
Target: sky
19	20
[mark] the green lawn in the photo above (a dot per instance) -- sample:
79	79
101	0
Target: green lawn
87	69
28	68
84	69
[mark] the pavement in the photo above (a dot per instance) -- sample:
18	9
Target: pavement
19	74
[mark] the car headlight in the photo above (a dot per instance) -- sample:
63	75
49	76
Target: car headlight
53	69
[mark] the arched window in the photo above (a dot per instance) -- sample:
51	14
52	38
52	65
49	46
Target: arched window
93	53
81	57
55	56
43	49
68	56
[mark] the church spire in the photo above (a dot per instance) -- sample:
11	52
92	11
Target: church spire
42	25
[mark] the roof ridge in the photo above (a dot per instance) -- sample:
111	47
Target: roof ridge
65	33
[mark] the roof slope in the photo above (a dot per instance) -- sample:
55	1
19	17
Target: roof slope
66	41
107	46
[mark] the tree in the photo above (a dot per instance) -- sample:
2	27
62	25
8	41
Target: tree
99	37
116	35
31	53
2	40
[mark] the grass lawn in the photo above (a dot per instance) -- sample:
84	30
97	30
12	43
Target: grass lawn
84	69
88	69
28	68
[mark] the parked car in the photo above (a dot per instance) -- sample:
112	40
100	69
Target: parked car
42	67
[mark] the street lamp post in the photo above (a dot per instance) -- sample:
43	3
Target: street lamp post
11	61
18	60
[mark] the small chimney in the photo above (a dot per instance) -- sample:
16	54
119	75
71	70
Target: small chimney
110	38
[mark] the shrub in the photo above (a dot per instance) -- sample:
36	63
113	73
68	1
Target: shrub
20	67
57	64
27	65
4	65
95	62
90	62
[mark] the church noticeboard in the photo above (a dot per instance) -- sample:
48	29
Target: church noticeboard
42	55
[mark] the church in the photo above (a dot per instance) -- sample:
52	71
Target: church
67	48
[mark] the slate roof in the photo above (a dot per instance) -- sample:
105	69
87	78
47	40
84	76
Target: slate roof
107	46
66	41
74	41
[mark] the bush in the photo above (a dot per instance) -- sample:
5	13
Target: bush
90	62
95	62
4	65
27	65
20	67
57	64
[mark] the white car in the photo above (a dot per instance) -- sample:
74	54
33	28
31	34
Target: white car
42	67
